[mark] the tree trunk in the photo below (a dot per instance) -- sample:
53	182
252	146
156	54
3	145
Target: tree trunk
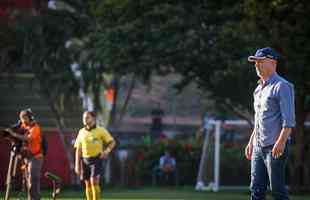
66	145
114	106
128	96
61	126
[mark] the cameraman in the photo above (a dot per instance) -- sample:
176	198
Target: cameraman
34	159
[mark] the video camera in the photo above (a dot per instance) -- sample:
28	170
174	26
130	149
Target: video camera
4	134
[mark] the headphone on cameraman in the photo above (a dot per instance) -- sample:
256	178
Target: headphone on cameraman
29	114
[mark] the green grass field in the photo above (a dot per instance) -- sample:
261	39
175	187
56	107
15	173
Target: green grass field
160	194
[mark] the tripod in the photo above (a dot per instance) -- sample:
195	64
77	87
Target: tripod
15	156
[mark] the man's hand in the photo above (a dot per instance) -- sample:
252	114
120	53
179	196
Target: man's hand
279	146
104	155
18	136
249	150
11	132
278	149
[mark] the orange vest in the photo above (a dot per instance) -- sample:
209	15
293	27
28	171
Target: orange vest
35	138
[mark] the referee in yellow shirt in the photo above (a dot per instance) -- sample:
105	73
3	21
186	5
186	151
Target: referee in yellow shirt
92	145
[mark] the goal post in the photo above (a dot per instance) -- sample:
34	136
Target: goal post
216	125
212	185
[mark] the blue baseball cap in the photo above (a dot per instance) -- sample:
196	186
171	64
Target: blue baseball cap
264	53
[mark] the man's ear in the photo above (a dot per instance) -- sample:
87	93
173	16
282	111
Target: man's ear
274	62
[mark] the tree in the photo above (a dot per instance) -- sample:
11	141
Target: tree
115	49
208	42
284	25
8	48
42	48
42	51
174	36
225	72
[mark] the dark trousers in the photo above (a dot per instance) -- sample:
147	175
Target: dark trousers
266	169
33	178
91	167
167	178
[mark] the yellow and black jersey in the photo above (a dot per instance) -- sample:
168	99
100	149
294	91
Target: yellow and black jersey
91	142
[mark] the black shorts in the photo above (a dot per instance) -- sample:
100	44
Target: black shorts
91	167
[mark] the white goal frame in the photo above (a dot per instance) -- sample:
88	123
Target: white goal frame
216	125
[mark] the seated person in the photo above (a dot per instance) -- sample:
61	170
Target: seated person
167	169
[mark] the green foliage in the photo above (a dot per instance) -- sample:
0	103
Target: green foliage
209	41
45	52
41	49
284	25
187	156
234	167
206	41
196	39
